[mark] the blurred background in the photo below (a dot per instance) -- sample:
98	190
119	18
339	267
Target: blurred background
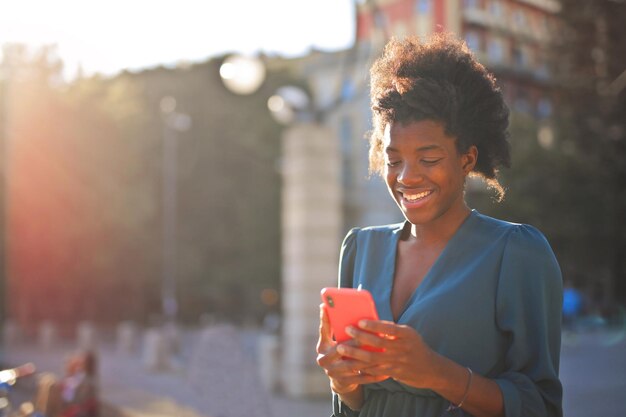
179	167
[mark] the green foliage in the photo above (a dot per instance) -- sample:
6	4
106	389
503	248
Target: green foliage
557	190
106	137
575	191
593	48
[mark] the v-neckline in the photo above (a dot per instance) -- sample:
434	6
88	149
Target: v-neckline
428	276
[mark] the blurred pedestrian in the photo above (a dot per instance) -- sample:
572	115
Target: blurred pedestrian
79	392
470	306
572	305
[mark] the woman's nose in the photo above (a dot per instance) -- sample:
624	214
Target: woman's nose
410	174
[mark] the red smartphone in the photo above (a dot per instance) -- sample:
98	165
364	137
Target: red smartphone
345	307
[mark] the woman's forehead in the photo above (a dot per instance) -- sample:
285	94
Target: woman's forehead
422	132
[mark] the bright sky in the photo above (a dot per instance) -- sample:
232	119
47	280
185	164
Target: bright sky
107	36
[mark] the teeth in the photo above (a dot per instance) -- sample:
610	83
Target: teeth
413	197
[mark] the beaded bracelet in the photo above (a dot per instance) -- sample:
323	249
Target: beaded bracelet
453	407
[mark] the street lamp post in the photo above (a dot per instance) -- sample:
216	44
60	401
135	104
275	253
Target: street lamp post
173	123
311	222
161	345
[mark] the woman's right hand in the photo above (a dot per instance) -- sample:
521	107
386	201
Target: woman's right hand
346	375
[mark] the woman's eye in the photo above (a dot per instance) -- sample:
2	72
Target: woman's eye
393	163
431	161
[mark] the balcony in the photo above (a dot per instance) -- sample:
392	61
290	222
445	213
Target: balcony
551	6
530	33
487	19
477	16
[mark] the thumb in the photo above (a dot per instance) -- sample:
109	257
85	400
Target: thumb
325	336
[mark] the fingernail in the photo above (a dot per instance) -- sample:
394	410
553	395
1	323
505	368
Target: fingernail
341	349
363	324
350	330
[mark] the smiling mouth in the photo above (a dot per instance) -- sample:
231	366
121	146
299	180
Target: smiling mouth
416	197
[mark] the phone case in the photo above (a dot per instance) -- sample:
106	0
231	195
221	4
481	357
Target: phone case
345	307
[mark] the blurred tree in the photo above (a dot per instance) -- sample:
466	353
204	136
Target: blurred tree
553	186
119	163
228	188
86	189
77	207
569	172
593	51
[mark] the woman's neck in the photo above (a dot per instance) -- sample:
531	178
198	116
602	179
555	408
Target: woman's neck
440	230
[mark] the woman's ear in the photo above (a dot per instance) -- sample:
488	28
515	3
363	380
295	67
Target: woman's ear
469	158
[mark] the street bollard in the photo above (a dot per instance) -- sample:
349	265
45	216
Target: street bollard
47	335
155	355
269	361
126	337
11	333
86	336
220	370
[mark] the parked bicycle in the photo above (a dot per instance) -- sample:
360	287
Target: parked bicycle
8	378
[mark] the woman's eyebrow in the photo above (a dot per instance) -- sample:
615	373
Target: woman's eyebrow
429	148
420	149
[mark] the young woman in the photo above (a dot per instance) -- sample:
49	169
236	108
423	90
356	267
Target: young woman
469	306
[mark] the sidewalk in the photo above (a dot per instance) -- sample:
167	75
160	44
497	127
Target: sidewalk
129	390
593	372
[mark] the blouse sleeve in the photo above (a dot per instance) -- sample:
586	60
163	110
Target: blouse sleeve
346	274
347	256
528	305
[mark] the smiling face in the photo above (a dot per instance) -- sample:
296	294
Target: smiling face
425	173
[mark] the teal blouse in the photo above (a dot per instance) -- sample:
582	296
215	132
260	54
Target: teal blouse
491	302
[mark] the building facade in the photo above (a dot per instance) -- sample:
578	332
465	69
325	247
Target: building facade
511	37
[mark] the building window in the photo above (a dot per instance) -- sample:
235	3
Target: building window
379	19
495	51
544	108
520	57
345	141
345	134
473	41
422	6
519	19
347	89
496	9
522	104
542	71
545	25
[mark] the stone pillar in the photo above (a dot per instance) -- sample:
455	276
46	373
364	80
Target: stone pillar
86	336
311	235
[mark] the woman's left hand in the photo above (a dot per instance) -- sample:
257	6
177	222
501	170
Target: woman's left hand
405	356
